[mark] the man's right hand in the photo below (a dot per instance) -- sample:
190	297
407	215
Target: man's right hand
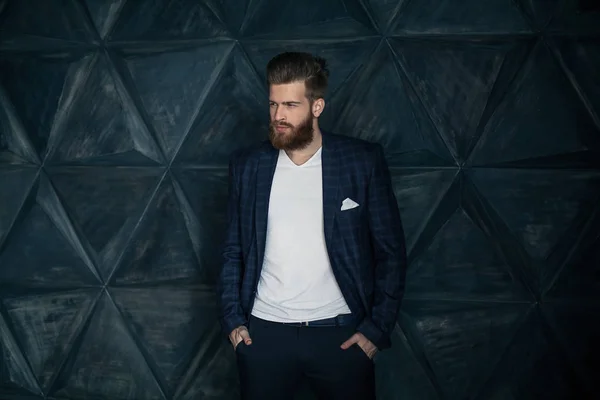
238	334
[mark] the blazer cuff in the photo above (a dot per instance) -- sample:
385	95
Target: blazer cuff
233	322
374	334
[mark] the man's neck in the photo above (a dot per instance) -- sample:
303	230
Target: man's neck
299	157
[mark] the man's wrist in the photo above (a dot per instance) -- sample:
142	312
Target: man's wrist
375	335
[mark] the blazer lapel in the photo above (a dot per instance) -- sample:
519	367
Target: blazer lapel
330	166
264	181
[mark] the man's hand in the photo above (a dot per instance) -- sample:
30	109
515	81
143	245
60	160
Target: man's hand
365	344
238	334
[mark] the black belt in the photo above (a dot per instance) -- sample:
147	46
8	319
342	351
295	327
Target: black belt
340	320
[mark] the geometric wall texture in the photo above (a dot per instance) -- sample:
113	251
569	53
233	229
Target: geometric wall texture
117	119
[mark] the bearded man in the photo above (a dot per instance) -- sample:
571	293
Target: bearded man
314	260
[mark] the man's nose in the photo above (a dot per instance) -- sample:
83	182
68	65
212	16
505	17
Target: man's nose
279	114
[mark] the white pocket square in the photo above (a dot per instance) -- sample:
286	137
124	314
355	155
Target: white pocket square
348	204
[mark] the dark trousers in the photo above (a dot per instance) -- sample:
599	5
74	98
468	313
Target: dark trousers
281	355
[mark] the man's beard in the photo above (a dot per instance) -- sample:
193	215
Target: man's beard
297	138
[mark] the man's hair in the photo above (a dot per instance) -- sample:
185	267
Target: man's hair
291	67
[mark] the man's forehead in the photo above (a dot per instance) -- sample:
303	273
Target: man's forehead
293	91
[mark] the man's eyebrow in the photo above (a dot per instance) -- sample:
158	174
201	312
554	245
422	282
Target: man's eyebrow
286	102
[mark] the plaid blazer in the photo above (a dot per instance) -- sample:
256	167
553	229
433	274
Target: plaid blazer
365	244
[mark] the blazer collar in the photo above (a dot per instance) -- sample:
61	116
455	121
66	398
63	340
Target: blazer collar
264	180
331	174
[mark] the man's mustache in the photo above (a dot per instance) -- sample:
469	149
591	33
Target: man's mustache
276	124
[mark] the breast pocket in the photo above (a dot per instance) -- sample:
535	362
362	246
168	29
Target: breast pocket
351	203
351	217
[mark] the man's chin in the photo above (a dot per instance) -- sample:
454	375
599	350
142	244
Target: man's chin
290	139
280	145
290	146
280	140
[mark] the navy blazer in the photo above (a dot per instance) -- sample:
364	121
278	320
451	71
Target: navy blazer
365	244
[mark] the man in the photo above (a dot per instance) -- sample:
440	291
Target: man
314	256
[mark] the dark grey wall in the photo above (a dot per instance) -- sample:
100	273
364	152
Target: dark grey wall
116	122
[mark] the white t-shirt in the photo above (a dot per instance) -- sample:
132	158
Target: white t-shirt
296	282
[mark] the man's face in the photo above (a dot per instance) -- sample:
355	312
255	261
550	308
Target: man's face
291	125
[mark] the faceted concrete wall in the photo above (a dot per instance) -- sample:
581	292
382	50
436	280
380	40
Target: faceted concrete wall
116	122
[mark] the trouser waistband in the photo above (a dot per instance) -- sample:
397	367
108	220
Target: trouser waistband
339	320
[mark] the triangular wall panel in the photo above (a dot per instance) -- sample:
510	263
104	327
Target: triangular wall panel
574	17
580	58
403	373
455	108
46	349
106	360
109	132
60	261
420	194
383	108
173	84
15	146
36	87
541	99
199	190
460	362
21	181
104	14
161	248
104	220
166	20
533	366
29	21
16	377
171	341
473	270
311	19
431	17
234	114
577	280
551	201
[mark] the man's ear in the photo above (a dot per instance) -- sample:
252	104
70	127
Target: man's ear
318	107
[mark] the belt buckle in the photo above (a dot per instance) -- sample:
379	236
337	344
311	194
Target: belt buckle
306	323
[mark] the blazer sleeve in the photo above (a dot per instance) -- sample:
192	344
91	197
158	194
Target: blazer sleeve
229	280
389	251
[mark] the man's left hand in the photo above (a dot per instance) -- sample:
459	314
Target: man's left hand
365	344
